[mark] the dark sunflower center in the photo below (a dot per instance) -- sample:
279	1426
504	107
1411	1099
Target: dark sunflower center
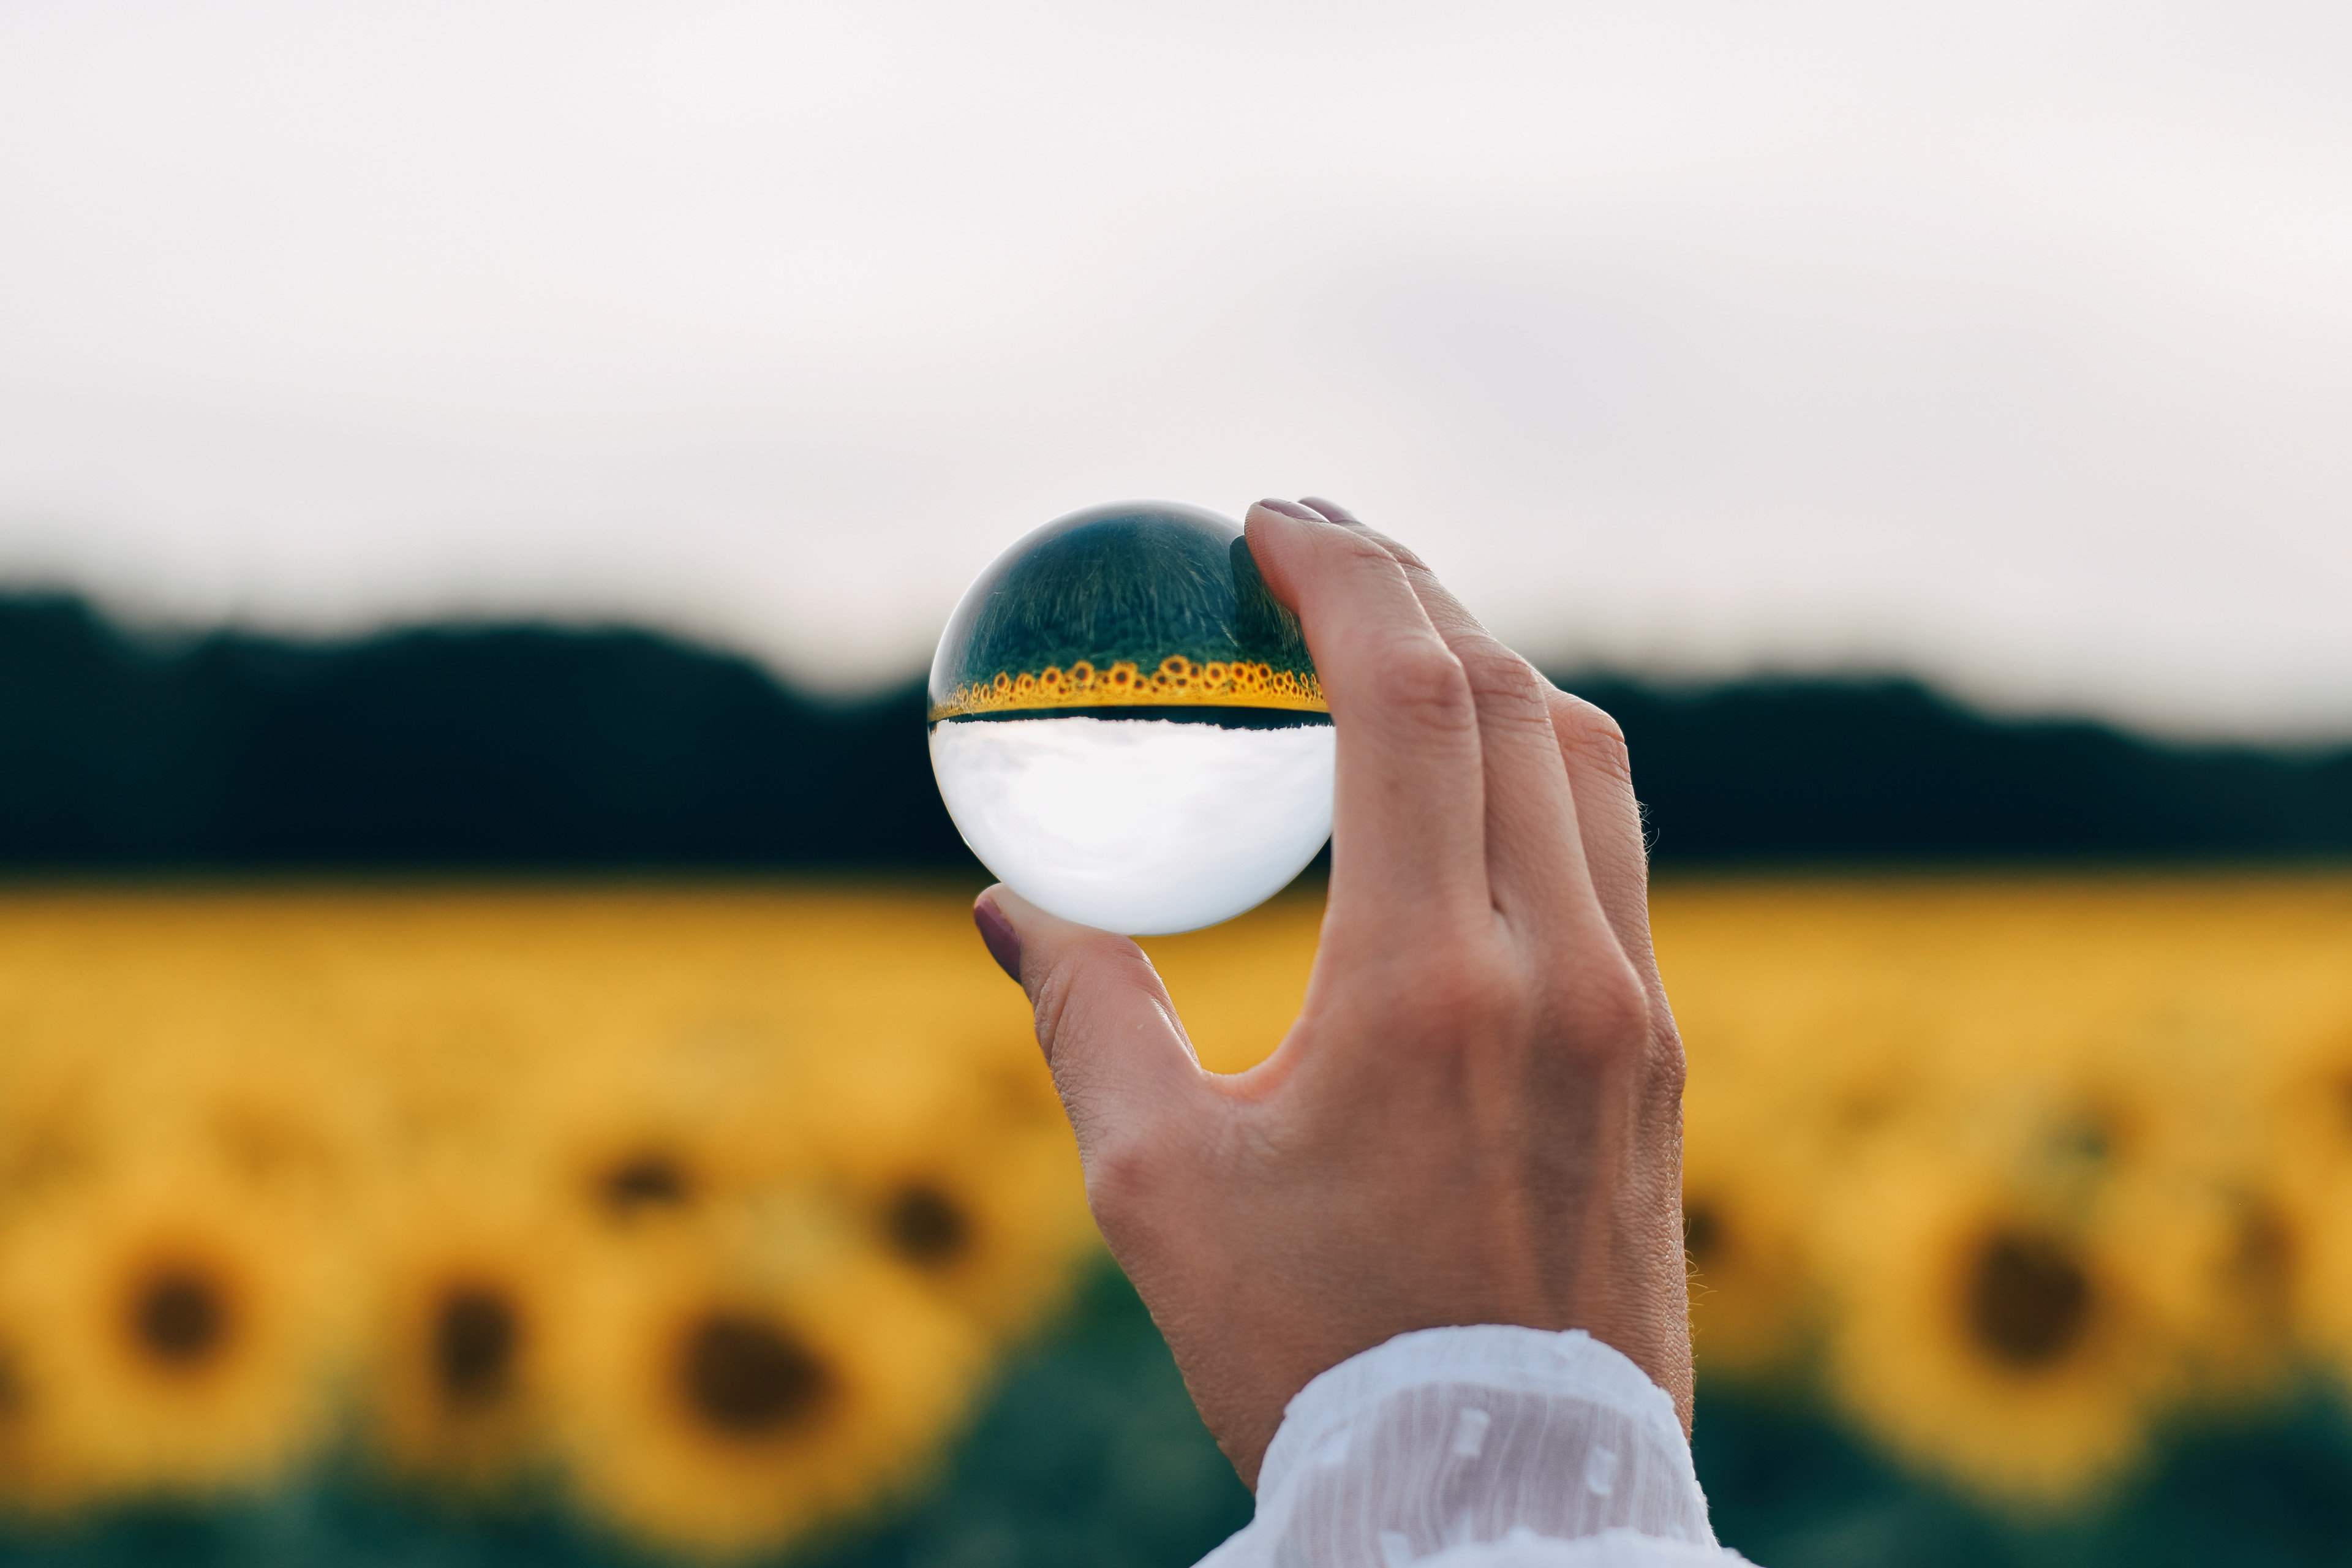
748	1377
925	1226
644	1181
476	1333
2264	1260
178	1315
2029	1300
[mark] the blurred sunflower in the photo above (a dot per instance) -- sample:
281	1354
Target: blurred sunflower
175	1335
2313	1221
719	1402
53	1125
628	1140
1744	1237
256	1108
474	1295
2208	1261
2125	1110
2306	1166
964	1178
35	1475
1980	1333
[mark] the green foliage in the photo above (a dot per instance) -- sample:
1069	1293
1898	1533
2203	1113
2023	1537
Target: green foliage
1133	583
1090	1457
2264	1489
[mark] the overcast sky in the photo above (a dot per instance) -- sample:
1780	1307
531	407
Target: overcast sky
2007	344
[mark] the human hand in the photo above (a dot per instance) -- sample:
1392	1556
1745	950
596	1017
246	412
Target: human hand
1478	1116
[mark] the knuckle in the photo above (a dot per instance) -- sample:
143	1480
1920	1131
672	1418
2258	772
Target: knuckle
1121	1173
1049	1003
1667	1055
1422	680
1510	693
1492	666
1075	982
1590	736
1446	1001
1459	987
1403	557
1669	1069
1366	547
1610	1011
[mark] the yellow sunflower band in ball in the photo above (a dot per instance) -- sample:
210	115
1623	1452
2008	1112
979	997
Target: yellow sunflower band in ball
1179	682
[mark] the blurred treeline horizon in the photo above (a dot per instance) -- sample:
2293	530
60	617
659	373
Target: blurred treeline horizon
530	746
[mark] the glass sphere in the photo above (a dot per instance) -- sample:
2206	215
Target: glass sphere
1125	724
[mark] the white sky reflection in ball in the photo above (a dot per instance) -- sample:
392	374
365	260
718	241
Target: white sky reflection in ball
1126	725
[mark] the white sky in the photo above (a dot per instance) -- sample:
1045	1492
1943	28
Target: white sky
2010	344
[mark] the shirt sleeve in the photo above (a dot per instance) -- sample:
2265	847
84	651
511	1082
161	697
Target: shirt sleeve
1478	1447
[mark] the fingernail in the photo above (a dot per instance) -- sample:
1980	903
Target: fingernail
1290	509
1003	942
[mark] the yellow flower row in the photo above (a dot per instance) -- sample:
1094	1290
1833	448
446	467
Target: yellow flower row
719	1200
1178	682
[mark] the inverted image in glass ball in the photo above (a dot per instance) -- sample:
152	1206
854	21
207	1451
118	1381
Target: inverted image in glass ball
1125	724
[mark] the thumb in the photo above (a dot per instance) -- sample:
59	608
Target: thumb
1119	1057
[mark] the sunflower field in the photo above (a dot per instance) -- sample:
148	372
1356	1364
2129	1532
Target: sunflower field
713	1206
733	1218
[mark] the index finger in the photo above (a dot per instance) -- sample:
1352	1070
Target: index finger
1612	861
1536	863
1408	813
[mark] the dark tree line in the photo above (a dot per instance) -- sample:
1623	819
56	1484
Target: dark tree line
527	746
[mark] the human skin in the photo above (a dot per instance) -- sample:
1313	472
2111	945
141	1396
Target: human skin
1476	1117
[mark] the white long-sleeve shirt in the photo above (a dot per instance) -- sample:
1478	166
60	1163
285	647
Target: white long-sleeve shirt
1479	1447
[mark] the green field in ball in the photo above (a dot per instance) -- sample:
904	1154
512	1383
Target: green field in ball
1118	606
721	1202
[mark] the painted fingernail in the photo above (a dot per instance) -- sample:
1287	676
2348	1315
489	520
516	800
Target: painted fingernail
1003	942
1290	509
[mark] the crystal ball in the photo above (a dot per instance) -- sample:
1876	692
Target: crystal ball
1125	723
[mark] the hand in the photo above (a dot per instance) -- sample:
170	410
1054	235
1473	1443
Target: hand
1478	1116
